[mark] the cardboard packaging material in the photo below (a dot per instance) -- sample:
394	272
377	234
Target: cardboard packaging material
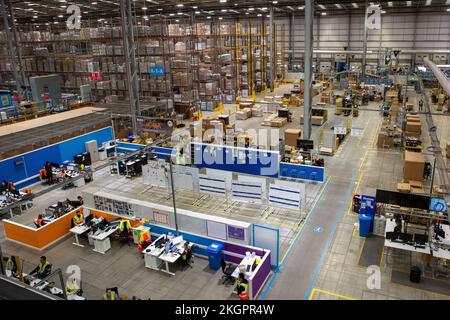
278	122
414	166
403	187
291	136
414	127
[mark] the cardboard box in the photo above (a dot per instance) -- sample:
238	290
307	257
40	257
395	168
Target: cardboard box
291	136
417	190
278	122
403	187
416	184
384	140
413	127
414	166
412	134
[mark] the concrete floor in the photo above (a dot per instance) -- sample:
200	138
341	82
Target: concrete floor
318	265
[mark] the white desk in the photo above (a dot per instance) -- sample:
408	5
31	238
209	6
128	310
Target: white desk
173	256
78	230
245	262
101	240
390	225
151	254
437	250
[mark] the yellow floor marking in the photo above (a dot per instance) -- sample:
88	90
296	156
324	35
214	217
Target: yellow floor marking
329	293
361	250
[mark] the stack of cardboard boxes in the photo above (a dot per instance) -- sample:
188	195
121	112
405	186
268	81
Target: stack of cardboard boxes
413	126
291	136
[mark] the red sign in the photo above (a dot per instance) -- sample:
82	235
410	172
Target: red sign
95	75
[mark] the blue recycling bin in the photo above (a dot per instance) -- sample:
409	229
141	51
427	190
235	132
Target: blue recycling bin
215	255
365	222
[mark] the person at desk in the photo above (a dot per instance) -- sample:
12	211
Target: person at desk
4	186
40	221
318	161
125	229
110	295
144	241
43	269
72	288
187	253
242	287
78	219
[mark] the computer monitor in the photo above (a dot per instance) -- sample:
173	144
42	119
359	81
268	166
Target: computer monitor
391	235
305	144
89	218
406	237
167	247
420	238
439	231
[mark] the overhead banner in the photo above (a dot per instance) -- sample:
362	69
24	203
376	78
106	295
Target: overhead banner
155	125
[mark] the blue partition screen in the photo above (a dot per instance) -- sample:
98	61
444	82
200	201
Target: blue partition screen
297	171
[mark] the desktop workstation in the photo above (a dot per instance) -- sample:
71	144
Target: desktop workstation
165	248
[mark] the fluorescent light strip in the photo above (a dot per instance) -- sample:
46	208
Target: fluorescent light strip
321	6
408	3
355	5
338	6
390	4
428	2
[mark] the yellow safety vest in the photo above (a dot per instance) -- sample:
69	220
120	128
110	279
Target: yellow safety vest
143	237
122	225
245	285
112	296
78	219
43	266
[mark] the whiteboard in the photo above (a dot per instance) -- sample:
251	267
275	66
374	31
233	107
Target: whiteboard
217	229
262	181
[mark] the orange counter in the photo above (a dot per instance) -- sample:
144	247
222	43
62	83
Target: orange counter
53	231
42	237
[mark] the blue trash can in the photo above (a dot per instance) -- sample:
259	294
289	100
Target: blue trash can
365	223
215	255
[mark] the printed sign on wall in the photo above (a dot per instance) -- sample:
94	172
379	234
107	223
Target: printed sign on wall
157	71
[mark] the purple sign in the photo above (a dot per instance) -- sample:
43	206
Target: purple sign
236	233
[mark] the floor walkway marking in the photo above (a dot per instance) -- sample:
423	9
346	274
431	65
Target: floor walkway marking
297	237
330	237
314	290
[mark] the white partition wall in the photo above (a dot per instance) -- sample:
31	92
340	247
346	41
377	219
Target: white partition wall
246	191
214	186
287	194
260	180
267	238
154	173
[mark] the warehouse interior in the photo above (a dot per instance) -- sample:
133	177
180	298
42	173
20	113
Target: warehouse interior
225	150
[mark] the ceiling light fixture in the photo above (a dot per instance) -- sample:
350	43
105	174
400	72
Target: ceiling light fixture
428	3
301	8
408	3
321	6
338	6
180	5
390	4
355	5
324	13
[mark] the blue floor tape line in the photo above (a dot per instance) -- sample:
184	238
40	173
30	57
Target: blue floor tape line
277	270
330	237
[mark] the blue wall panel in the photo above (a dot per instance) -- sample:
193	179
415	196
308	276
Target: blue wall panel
70	148
35	160
290	170
255	162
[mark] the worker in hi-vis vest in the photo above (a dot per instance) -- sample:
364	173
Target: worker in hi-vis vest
110	295
78	219
180	159
125	228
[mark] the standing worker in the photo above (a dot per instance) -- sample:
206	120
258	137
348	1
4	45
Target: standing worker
110	295
43	269
420	105
49	173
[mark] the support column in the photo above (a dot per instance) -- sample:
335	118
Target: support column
413	55
318	44
364	57
130	60
309	19
13	45
349	35
272	50
291	41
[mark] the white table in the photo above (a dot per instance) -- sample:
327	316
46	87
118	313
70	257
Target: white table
247	261
80	229
173	256
390	225
151	254
101	240
437	250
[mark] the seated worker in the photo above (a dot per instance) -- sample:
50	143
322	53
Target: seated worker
43	269
110	295
40	221
318	161
4	186
239	280
125	228
242	289
187	252
144	241
43	174
78	219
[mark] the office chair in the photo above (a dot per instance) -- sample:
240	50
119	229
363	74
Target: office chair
227	271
